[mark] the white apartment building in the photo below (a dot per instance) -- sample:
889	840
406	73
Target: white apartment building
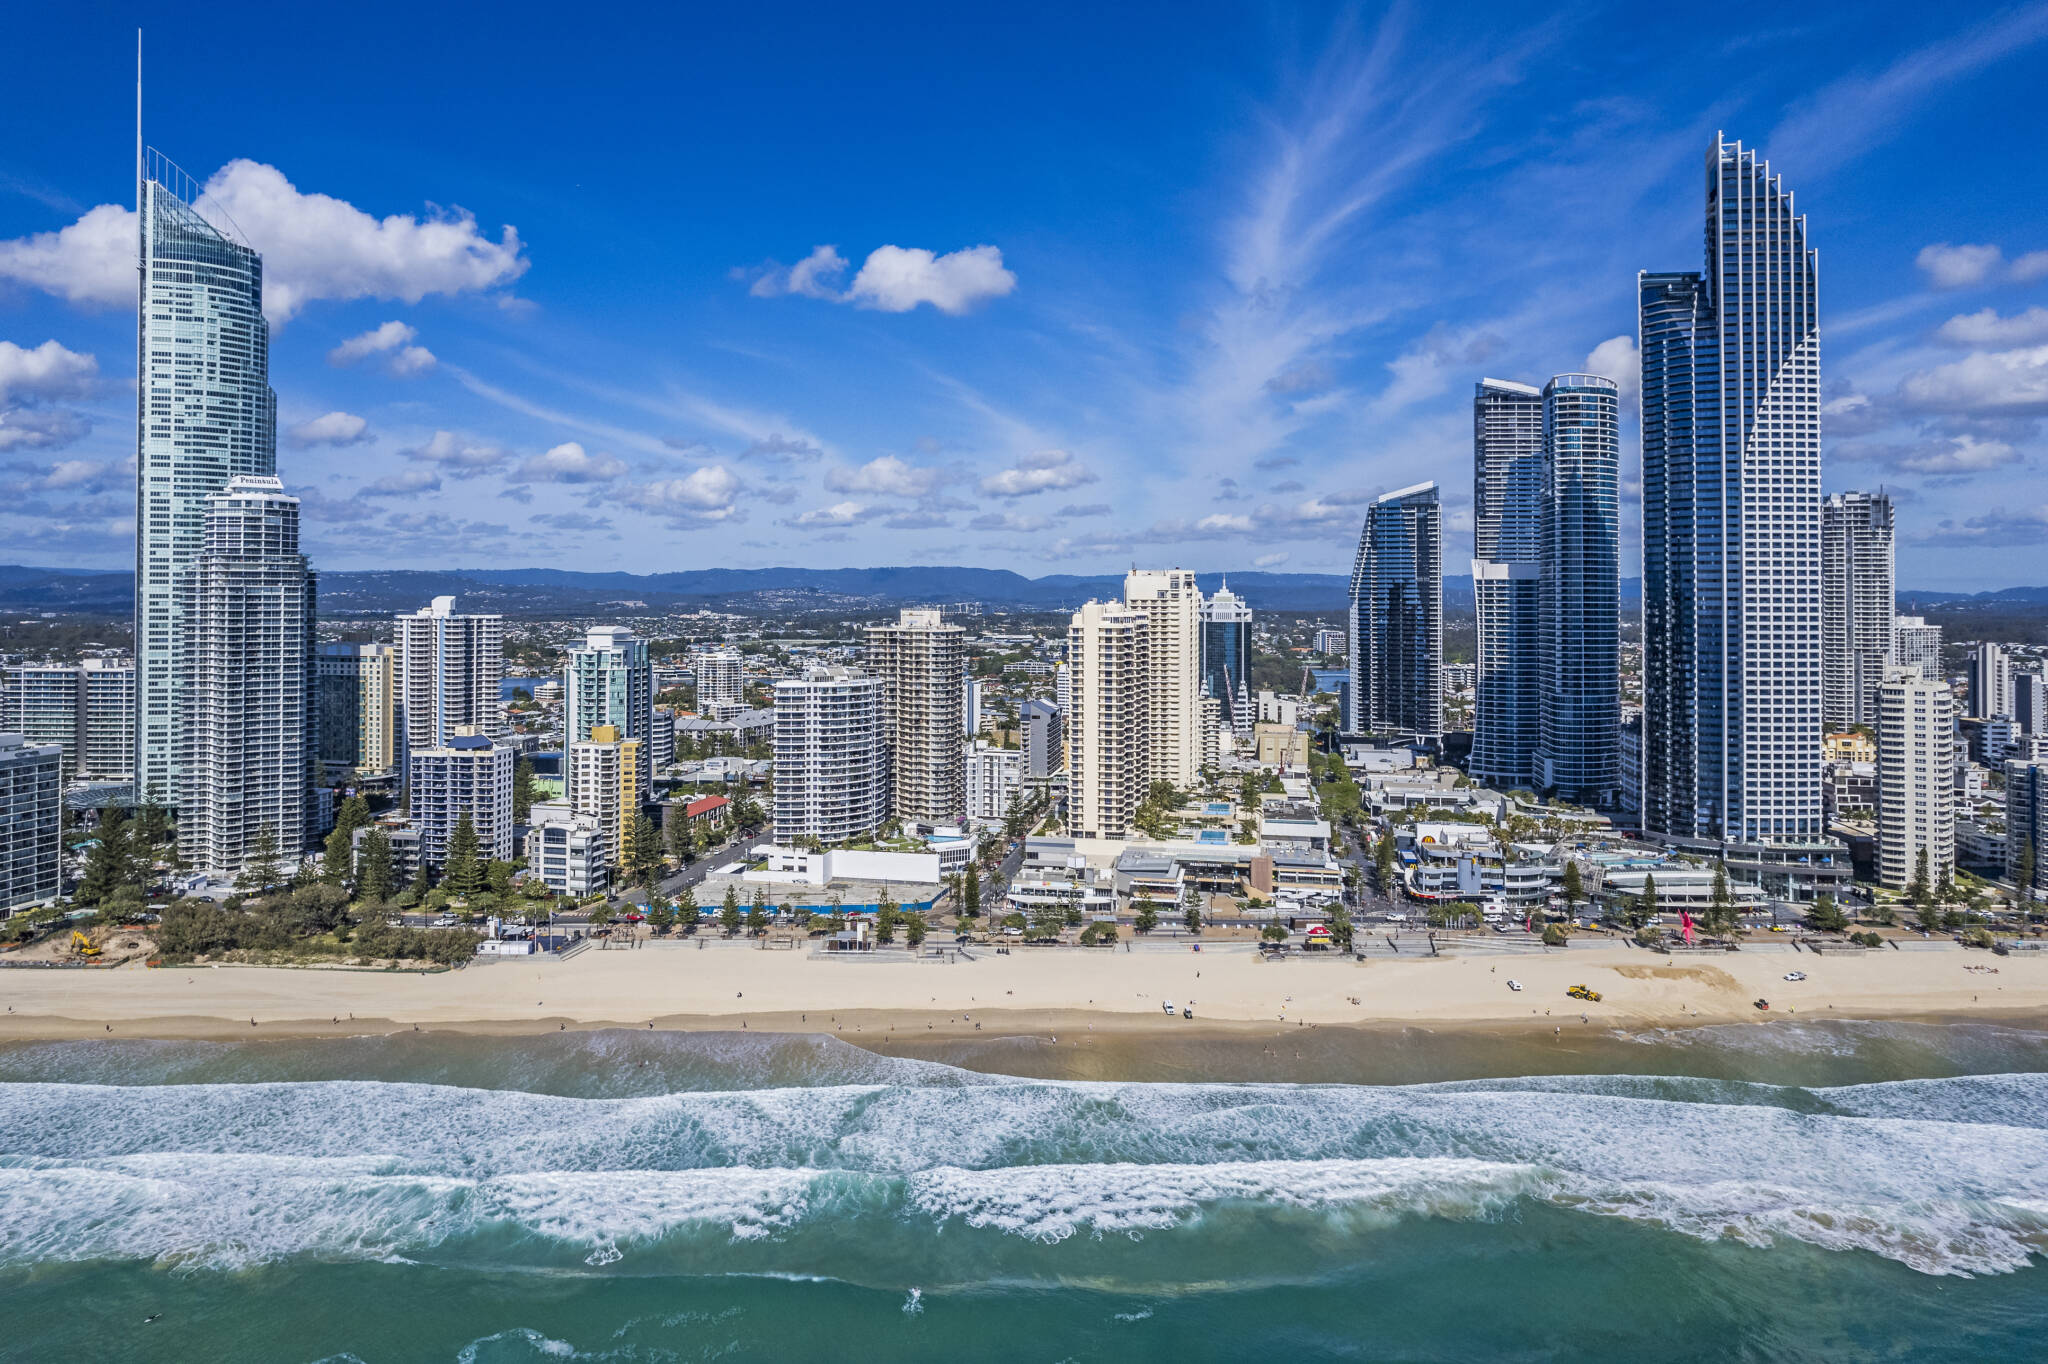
1916	813
831	769
87	709
1917	644
245	676
31	819
567	851
1109	729
470	773
601	779
718	681
1172	606
920	661
995	777
1990	681
448	671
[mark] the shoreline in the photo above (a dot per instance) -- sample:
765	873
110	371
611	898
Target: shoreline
676	986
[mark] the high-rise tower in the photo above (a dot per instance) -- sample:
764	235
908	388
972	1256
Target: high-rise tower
1397	616
1578	753
1731	522
1507	491
1857	608
920	659
1227	655
447	672
1172	605
246	752
204	414
611	682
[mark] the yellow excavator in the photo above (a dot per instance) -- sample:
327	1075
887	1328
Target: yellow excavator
83	945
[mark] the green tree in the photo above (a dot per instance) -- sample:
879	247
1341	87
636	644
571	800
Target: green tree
757	917
1826	915
1919	891
687	912
1145	914
2024	874
1572	888
661	915
675	826
260	868
523	790
1721	917
338	854
152	827
886	919
1274	932
1646	905
373	874
914	929
970	893
108	866
462	872
600	914
729	912
1193	915
422	885
1341	930
1384	855
646	852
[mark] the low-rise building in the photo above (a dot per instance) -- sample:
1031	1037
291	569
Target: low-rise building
568	851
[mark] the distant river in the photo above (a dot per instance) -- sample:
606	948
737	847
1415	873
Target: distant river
507	686
1793	1192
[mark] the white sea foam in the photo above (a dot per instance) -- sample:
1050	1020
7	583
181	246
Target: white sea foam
1948	1176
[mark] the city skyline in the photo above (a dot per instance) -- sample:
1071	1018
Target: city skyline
1028	357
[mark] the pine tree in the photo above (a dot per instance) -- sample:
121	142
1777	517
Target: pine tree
462	873
757	916
1918	890
1145	914
2024	873
1383	857
970	893
675	826
1720	906
259	869
729	912
1573	888
686	907
373	872
422	882
646	851
152	827
107	865
522	790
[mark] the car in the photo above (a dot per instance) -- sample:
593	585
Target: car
1795	975
1584	992
1515	985
1779	928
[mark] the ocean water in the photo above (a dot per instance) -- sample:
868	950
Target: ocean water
1792	1192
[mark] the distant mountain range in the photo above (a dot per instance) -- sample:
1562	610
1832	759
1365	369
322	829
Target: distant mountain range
545	591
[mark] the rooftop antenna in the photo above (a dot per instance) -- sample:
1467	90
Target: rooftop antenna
138	120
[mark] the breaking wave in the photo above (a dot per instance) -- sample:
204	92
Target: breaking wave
1947	1176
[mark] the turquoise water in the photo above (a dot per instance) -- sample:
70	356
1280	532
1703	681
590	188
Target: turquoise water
1847	1191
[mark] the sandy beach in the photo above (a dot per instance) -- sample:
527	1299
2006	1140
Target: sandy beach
680	985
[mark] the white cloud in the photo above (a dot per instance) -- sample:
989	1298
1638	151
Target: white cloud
1956	267
404	483
393	341
2030	267
334	428
41	428
44	372
1219	523
2010	382
461	456
815	276
91	261
709	494
896	279
314	246
1271	560
1618	359
1963	454
887	476
570	463
1037	473
1426	369
1987	328
838	514
1010	521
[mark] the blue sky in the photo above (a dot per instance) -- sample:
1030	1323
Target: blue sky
1051	289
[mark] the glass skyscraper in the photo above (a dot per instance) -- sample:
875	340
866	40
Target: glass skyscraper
204	414
1397	614
1578	754
610	681
1226	654
1507	492
1858	608
1731	522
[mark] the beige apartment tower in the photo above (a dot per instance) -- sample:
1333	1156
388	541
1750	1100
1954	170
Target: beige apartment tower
1109	729
1916	810
603	782
1172	606
920	660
